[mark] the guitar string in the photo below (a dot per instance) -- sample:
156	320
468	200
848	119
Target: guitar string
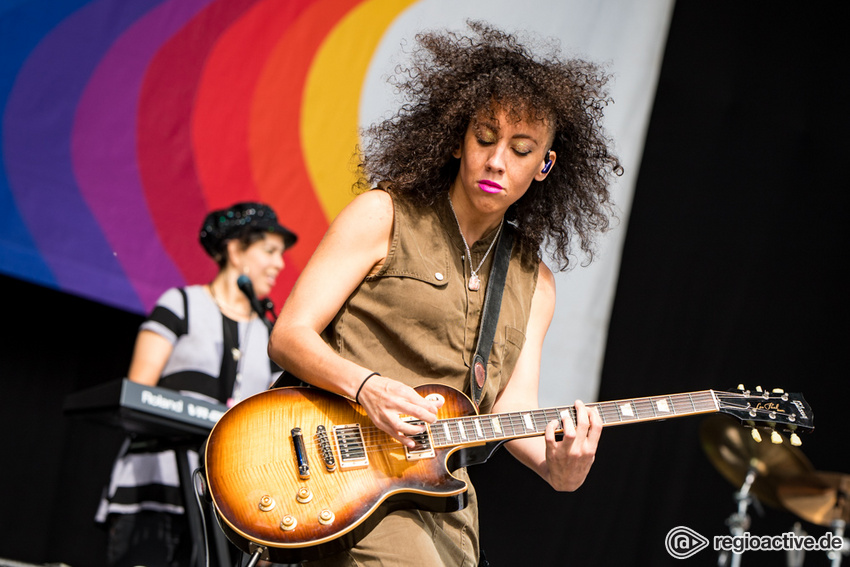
517	420
641	406
374	439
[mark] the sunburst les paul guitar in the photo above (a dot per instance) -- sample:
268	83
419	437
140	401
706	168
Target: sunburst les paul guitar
299	473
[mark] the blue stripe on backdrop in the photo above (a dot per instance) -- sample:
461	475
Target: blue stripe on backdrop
22	27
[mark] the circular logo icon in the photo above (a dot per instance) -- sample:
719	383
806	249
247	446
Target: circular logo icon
683	542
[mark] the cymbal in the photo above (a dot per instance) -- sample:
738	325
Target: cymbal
818	497
732	450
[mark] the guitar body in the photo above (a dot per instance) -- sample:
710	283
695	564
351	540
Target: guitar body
254	468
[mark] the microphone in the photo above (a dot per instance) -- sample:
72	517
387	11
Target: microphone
244	284
268	305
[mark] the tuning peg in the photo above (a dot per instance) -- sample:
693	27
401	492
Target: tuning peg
758	389
778	391
775	438
756	435
795	440
741	387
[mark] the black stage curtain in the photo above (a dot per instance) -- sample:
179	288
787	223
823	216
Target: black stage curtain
731	273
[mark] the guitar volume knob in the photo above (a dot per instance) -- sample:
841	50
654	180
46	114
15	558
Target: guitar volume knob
267	503
326	517
304	495
288	523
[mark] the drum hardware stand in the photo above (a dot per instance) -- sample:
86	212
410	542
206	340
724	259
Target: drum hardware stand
739	521
795	557
838	526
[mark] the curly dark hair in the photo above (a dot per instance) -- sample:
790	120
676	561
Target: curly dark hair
453	77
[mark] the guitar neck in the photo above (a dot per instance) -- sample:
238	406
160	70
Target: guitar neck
515	425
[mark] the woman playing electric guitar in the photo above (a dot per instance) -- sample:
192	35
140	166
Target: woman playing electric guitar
490	138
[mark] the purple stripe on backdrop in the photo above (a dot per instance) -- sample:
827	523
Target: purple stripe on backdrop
104	149
39	116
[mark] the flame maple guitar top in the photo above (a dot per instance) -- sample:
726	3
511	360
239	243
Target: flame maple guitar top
252	467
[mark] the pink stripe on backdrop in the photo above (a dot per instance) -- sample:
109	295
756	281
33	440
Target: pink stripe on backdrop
104	149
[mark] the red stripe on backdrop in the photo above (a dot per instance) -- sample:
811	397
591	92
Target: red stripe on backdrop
166	160
223	105
221	123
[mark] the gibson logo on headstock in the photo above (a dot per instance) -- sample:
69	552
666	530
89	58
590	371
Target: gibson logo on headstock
770	406
800	408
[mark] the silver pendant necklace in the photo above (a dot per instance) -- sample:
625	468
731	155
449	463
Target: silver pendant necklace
474	283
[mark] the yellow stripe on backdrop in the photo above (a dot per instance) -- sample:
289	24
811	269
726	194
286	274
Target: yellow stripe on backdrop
329	117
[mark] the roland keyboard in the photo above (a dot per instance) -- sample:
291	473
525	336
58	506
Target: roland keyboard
145	410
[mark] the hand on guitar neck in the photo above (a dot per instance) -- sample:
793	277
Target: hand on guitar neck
568	461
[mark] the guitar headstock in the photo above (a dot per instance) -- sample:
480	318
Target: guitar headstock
772	410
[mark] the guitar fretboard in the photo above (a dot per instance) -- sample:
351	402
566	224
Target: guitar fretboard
513	425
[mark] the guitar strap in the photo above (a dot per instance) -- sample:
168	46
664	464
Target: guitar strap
490	312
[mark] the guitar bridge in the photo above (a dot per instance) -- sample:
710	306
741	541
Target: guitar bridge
325	448
423	448
352	449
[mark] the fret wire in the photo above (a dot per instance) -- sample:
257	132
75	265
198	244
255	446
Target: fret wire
456	433
469	428
694	400
600	408
535	418
520	423
639	408
678	401
652	406
691	399
538	426
618	414
472	428
549	414
556	415
487	427
633	406
607	411
512	421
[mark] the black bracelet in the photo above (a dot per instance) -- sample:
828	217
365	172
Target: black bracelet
357	395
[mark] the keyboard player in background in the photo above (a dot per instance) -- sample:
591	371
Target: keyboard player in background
206	340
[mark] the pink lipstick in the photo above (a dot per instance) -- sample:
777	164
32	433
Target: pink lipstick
489	186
